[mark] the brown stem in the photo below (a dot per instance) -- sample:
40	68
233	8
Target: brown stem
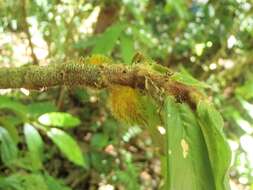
96	76
26	28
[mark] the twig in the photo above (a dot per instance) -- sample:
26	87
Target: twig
26	28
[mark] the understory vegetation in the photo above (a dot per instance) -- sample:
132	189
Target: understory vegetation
126	95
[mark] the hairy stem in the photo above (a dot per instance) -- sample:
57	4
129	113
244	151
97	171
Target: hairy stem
96	76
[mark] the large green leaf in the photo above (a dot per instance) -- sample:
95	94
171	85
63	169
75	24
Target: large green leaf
188	165
34	143
59	119
67	145
9	151
108	39
211	124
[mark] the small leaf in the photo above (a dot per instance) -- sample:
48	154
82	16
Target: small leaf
58	119
34	143
9	151
67	145
127	48
184	77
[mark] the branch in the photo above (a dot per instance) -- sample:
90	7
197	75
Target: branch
26	30
95	76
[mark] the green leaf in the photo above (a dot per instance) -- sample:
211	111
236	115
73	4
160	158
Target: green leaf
13	105
187	155
34	143
99	140
246	91
55	184
38	108
9	124
10	183
23	181
184	77
211	124
127	48
108	39
9	151
247	106
179	6
85	43
67	145
59	119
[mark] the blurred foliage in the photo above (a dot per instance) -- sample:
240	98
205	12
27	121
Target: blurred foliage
209	39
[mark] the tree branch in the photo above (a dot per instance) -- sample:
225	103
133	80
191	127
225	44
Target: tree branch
96	76
26	30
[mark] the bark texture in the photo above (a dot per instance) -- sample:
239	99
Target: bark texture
96	76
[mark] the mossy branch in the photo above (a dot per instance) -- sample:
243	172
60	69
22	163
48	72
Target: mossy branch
97	76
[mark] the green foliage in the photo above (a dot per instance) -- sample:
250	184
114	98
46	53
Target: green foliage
207	41
127	48
187	153
107	40
211	124
67	145
9	151
34	143
58	119
99	141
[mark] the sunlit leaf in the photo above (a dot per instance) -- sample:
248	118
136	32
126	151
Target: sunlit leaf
59	119
34	143
246	90
248	107
67	145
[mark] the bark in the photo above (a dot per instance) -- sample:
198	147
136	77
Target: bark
95	76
